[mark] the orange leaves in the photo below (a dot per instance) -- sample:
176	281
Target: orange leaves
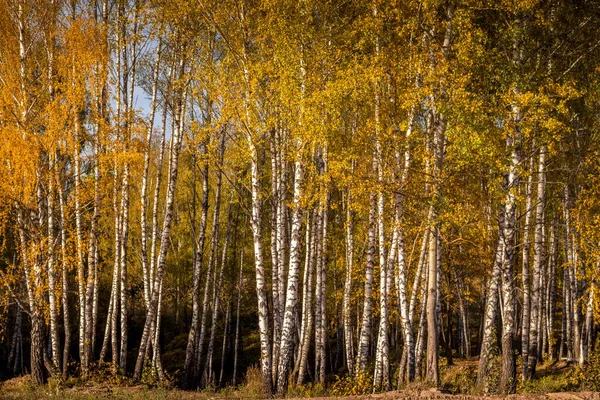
19	153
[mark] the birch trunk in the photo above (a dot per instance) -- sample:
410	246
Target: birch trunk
128	89
576	288
432	375
418	276
422	327
589	324
464	318
33	281
112	318
525	320
261	290
15	353
159	178
542	310
552	292
51	240
190	368
123	270
321	342
565	341
92	265
275	190
439	141
214	240
107	330
166	229
538	262
95	294
508	375
53	307
381	378
405	316
156	358
323	335
224	346
402	274
569	283
282	218
208	368
80	267
382	339
347	317
365	328
291	298
237	319
573	279
434	272
65	283
256	222
318	284
144	196
307	295
491	306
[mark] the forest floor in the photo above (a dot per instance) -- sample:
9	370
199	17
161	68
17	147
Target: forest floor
457	382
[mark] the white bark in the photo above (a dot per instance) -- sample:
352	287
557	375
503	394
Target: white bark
144	196
53	306
382	339
65	282
291	298
538	260
208	369
275	219
166	229
91	290
508	378
464	317
365	329
214	240
261	290
123	270
256	222
224	344
402	271
491	305
307	296
589	324
80	270
552	291
570	307
525	319
190	369
347	316
321	327
237	318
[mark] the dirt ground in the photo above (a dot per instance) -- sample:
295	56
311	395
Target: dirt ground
434	394
17	389
21	388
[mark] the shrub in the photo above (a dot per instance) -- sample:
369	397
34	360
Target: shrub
357	385
253	386
460	379
546	384
588	377
306	390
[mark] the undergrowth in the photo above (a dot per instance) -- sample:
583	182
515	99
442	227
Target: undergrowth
458	379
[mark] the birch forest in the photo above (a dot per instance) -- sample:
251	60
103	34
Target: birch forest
351	195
